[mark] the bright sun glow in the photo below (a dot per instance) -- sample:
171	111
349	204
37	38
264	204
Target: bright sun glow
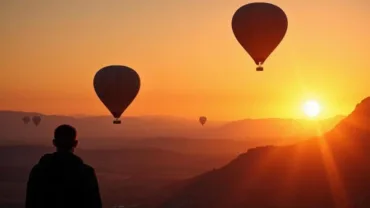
311	108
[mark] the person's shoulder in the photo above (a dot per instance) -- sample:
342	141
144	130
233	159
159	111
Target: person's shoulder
87	168
45	160
88	172
36	170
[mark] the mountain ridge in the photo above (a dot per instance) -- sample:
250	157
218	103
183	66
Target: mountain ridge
11	127
322	172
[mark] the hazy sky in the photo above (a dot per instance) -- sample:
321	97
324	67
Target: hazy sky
186	54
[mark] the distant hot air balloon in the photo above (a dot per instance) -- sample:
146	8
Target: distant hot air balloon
36	120
202	120
116	86
259	28
26	119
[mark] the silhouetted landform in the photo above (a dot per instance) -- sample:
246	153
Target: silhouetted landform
12	129
142	172
322	172
126	176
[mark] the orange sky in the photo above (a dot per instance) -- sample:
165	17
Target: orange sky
186	54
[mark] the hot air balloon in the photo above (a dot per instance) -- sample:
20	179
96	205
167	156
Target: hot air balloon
116	86
259	28
36	120
202	120
26	119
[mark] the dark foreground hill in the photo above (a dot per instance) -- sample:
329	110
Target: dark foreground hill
326	172
126	176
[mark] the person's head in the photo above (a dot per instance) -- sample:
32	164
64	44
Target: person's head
65	138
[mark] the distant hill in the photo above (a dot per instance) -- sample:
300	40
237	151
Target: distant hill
12	129
124	160
276	127
321	172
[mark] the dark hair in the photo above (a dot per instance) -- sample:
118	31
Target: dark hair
65	137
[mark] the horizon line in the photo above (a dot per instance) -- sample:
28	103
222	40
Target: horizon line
165	115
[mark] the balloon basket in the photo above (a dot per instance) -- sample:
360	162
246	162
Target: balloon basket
259	68
117	121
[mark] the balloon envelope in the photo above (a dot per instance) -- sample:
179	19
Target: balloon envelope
36	120
116	86
202	120
26	119
259	28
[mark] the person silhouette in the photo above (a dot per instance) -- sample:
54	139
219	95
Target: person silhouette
61	179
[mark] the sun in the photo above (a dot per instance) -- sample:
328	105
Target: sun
311	108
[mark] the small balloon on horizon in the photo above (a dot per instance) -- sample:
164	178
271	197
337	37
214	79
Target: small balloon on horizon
36	120
202	120
26	119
